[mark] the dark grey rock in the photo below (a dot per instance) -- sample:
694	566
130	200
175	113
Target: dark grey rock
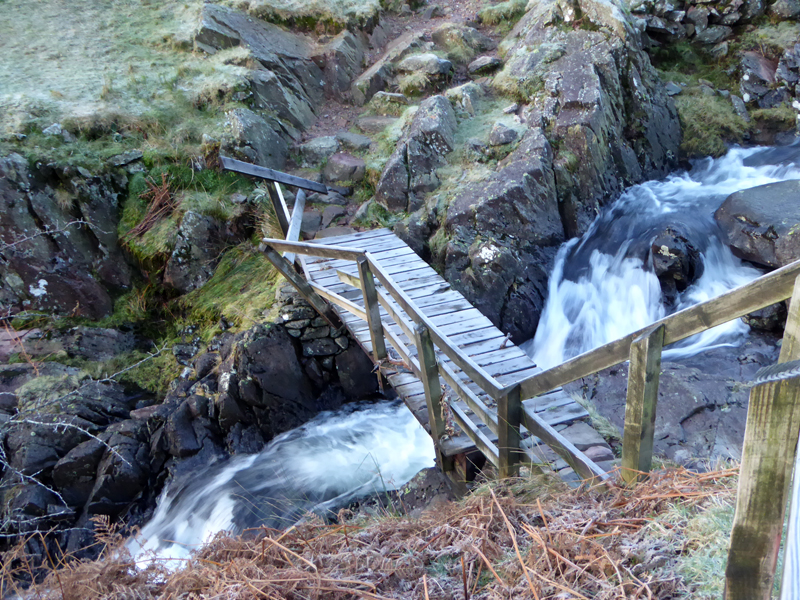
374	124
428	64
762	224
330	214
97	343
353	142
269	93
321	347
785	9
676	262
315	151
461	40
197	250
672	89
74	475
344	168
502	134
312	221
758	75
714	34
356	375
412	167
342	60
125	158
484	65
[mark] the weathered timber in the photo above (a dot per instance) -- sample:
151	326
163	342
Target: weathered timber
238	166
640	405
576	459
433	390
464	362
759	293
336	299
790	583
373	310
770	443
478	438
790	346
287	270
315	249
295	223
279	206
509	419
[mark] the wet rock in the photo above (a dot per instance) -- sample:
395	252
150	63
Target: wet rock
484	65
356	374
676	261
388	104
315	151
312	221
244	440
181	439
772	318
252	139
343	168
353	142
74	475
762	224
502	134
411	168
196	253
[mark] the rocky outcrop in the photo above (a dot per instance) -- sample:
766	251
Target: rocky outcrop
197	251
411	170
58	239
762	224
597	120
254	139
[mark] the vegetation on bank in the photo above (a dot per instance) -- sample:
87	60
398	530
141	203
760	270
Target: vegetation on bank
522	538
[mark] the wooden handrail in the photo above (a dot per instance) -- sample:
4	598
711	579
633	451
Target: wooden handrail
759	293
477	373
231	164
321	250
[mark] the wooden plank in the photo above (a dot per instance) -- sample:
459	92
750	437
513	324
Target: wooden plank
471	398
509	418
433	390
759	293
476	435
790	583
287	270
314	249
231	164
582	465
373	312
790	346
295	222
640	404
280	208
349	239
344	303
770	443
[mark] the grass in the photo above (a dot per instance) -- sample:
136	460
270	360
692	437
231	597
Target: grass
709	123
311	14
507	12
601	424
413	84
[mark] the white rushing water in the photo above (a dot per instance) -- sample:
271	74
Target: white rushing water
602	286
323	465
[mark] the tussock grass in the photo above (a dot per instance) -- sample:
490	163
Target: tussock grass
504	12
311	13
519	538
709	123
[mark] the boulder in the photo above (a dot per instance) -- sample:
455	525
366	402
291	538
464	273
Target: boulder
465	98
461	42
356	374
411	168
388	104
484	65
98	343
501	134
270	94
376	78
341	61
427	64
784	9
315	151
251	138
758	76
196	253
353	142
762	224
344	168
677	262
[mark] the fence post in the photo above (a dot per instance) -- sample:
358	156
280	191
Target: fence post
373	310
790	584
429	370
770	442
640	404
509	417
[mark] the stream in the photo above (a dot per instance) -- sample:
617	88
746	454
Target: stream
603	286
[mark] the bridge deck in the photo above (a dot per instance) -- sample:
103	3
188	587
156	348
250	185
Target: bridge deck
465	326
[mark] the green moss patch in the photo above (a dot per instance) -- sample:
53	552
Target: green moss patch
709	123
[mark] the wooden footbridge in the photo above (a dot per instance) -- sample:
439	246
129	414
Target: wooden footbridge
474	390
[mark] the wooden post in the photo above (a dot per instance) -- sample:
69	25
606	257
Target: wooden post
790	584
373	310
509	417
279	204
640	404
296	221
429	369
790	346
770	442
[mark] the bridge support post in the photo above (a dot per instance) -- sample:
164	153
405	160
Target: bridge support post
509	417
640	404
373	310
429	371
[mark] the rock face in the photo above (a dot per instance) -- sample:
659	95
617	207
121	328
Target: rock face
196	253
253	139
411	168
762	224
58	245
597	120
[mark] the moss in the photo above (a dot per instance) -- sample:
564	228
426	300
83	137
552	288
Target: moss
413	84
780	118
709	124
242	288
684	62
438	245
317	15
